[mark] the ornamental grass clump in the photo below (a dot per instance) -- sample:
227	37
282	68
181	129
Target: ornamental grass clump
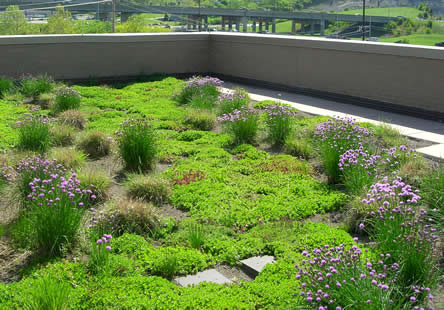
242	124
34	86
338	277
200	119
48	293
66	99
137	144
53	214
200	87
100	254
336	136
359	169
228	102
279	122
392	159
95	144
403	228
34	133
6	85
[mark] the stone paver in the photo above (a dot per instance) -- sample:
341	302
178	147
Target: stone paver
409	126
254	265
210	275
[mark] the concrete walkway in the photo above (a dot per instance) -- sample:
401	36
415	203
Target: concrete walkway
409	126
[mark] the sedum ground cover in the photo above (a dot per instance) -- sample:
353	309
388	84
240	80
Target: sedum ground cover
197	197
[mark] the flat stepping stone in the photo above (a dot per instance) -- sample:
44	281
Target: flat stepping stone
254	265
210	275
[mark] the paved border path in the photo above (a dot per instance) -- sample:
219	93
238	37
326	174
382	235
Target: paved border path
416	128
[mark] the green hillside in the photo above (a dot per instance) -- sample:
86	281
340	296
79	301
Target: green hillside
408	12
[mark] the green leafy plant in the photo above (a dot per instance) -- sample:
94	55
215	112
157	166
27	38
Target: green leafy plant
97	181
5	85
242	124
279	122
202	90
200	119
137	145
34	86
63	135
48	293
196	236
69	157
66	99
99	258
237	100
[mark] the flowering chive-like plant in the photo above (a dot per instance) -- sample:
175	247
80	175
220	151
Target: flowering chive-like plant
66	99
55	209
99	257
202	88
279	121
137	144
394	157
336	136
339	277
400	226
34	132
358	168
228	102
243	124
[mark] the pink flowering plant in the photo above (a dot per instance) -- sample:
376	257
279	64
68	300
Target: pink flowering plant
34	132
335	137
203	88
342	277
393	158
279	120
242	124
100	254
137	146
400	226
359	169
66	99
54	210
236	100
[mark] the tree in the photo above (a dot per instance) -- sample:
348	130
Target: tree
13	21
60	22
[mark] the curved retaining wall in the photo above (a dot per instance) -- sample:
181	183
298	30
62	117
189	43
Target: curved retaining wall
397	76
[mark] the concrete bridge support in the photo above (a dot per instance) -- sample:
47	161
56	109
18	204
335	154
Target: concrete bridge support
312	28
253	26
322	21
273	25
260	26
205	23
293	26
237	21
267	26
244	24
105	16
223	23
230	24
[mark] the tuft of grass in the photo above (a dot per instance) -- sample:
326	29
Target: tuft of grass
34	133
96	180
167	266
73	118
6	85
69	157
62	135
137	145
196	236
46	100
148	188
49	294
233	101
200	119
34	86
95	144
242	124
390	136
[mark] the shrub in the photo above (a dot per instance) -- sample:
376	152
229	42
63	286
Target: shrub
95	144
359	169
97	181
137	144
236	100
54	212
337	136
125	216
200	119
203	87
66	99
34	133
46	100
34	86
400	228
62	135
48	293
69	157
73	118
148	188
100	254
279	121
242	124
5	85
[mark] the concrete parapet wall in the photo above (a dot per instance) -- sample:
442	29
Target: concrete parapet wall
401	75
